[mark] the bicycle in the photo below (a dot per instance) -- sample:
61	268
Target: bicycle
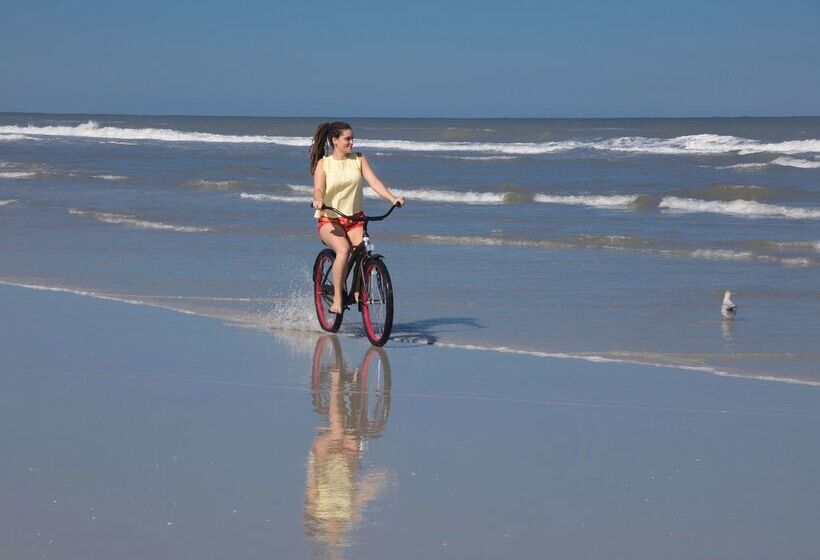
366	274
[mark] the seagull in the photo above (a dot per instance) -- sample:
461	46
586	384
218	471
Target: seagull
728	307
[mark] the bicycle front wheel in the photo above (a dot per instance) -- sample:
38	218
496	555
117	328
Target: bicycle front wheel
377	302
323	291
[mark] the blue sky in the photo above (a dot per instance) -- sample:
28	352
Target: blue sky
450	59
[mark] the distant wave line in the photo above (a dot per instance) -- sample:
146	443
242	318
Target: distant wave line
702	144
129	220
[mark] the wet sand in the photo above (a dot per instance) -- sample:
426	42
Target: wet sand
132	433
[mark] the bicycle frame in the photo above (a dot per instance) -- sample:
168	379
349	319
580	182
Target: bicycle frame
359	256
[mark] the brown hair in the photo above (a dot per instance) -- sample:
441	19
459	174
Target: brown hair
324	132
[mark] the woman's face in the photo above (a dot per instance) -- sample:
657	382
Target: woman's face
344	143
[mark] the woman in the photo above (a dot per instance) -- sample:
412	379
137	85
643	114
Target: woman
337	182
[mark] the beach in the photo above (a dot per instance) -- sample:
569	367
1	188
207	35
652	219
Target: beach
560	381
137	432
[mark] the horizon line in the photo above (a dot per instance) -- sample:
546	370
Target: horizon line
250	116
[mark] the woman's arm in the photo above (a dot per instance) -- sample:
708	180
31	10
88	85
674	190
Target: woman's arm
377	185
319	186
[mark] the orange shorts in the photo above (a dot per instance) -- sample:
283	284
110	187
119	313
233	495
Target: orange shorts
346	224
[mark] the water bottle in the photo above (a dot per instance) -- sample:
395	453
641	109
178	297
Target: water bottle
368	245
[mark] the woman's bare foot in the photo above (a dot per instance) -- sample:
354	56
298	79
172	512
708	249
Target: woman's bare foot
336	307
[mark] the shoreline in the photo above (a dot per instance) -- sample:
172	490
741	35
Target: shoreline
249	323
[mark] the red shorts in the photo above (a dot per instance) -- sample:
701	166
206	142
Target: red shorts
346	224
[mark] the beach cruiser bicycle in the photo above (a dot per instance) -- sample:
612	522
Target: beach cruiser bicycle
367	276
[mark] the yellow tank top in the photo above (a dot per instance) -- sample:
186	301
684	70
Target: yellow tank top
343	185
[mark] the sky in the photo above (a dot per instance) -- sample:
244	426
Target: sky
454	58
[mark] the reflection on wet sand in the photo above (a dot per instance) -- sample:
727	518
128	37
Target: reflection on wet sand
356	404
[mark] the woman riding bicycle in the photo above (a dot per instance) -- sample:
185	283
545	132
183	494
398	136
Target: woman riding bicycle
337	182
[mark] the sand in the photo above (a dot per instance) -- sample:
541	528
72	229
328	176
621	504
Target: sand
137	433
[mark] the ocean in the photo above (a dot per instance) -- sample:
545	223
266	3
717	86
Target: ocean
594	239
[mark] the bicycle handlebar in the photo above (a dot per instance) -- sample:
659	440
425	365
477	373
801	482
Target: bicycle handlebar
361	219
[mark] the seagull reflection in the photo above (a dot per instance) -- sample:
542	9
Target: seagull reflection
356	404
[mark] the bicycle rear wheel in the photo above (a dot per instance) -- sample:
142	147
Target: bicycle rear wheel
377	302
323	291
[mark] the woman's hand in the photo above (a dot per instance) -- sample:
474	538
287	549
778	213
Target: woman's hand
318	204
399	201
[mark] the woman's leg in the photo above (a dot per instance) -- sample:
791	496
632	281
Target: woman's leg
334	237
355	236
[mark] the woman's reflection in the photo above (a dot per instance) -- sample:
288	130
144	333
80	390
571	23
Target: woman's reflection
356	403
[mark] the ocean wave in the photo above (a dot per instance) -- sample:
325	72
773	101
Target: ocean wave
132	221
745	208
14	137
796	162
91	129
745	166
7	202
218	185
785	245
609	243
482	158
697	144
18	174
276	198
599	201
734	192
705	144
110	177
722	254
482	241
435	195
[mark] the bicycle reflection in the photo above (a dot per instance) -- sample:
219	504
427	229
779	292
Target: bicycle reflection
356	404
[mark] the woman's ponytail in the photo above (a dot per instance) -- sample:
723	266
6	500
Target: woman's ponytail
317	147
324	132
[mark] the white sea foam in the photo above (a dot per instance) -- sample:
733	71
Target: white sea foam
276	198
690	144
110	177
132	221
482	158
653	360
430	195
722	254
746	208
7	202
91	129
795	162
705	144
796	261
14	137
745	166
601	201
797	245
17	174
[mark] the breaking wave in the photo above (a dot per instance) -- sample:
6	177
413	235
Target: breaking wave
7	202
276	198
698	144
426	195
218	185
599	201
14	137
746	208
132	221
795	162
110	177
18	174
